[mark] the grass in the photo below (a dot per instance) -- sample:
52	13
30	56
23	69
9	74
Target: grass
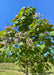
7	73
12	69
8	66
9	69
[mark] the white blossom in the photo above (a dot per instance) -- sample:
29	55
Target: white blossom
10	38
16	17
16	40
9	27
23	17
25	33
37	15
18	34
4	42
23	8
29	41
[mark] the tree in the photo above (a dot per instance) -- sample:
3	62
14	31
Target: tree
29	39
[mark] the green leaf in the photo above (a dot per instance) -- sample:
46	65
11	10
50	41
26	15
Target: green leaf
21	43
14	20
52	33
2	33
42	46
13	25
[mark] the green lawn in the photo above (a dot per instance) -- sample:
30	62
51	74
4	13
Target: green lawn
7	73
9	69
12	69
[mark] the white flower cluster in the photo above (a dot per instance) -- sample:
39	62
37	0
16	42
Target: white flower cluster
37	15
10	38
24	8
16	39
16	17
25	33
18	35
10	27
6	41
29	41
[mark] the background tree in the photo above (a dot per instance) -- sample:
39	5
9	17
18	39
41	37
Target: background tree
29	39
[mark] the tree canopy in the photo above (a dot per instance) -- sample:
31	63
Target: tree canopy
28	40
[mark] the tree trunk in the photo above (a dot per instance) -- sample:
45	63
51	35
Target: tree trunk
27	69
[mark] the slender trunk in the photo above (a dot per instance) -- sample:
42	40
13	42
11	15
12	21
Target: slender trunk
27	69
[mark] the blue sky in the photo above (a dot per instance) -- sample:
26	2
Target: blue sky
10	8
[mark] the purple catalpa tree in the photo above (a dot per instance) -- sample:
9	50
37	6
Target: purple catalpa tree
29	39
